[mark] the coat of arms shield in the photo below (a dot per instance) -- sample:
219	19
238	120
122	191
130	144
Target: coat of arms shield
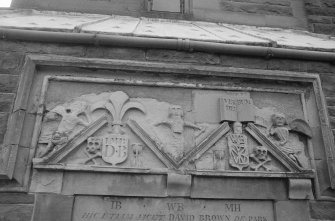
114	148
238	151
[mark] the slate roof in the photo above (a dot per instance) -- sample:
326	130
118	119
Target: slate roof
164	28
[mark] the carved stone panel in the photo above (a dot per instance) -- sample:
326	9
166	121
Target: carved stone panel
139	126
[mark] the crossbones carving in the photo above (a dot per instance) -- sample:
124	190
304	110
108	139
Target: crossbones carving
260	157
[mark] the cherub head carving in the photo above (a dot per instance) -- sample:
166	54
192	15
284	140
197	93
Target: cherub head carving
237	127
278	120
261	153
93	145
59	138
176	111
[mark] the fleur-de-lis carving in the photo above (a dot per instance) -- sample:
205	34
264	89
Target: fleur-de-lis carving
117	105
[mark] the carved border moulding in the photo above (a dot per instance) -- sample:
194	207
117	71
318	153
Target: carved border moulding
9	161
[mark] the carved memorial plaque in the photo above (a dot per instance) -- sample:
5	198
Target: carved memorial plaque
121	129
89	208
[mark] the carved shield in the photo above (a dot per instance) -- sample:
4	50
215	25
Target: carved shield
114	148
238	151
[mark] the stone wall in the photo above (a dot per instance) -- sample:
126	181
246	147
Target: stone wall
321	16
19	206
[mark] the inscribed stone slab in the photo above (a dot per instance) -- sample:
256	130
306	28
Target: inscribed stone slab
169	209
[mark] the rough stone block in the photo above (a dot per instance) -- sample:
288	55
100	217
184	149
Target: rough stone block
9	62
21	164
322	210
317	142
294	65
179	185
8	83
255	8
239	188
14	129
320	19
323	174
16	198
328	3
53	207
300	189
27	130
46	181
115	53
268	2
3	125
6	102
177	56
118	184
330	101
324	29
312	3
293	210
45	48
12	212
331	111
320	11
243	62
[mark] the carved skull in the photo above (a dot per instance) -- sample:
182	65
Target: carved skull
93	144
261	153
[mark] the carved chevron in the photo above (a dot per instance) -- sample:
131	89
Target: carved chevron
75	142
151	143
273	149
207	143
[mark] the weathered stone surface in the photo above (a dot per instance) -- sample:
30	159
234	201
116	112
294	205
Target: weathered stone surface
300	189
44	181
255	8
104	184
320	19
324	28
46	48
269	2
330	101
99	208
243	62
21	164
243	188
179	185
322	210
3	125
15	125
115	53
16	198
9	62
6	102
320	11
327	3
318	147
170	29
312	3
53	207
48	21
116	24
8	83
296	210
12	212
323	174
176	56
